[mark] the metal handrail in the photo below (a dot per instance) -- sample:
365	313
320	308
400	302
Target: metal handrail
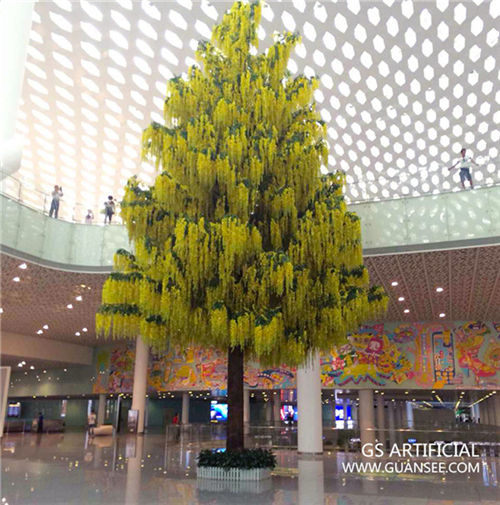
39	200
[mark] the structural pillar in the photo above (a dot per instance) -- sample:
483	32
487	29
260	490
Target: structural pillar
268	412
185	408
133	495
354	415
277	408
381	419
310	420
246	410
496	403
491	411
311	485
344	410
140	382
15	25
366	417
409	415
392	426
101	409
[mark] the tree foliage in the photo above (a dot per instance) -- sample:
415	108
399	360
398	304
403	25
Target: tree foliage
241	241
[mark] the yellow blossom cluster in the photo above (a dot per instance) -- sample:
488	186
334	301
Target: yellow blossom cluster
240	241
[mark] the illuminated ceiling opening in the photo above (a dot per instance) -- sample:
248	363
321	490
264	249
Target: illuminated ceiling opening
403	86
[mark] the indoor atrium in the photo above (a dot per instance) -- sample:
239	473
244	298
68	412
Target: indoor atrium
250	252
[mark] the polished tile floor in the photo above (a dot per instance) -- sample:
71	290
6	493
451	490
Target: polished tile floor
71	469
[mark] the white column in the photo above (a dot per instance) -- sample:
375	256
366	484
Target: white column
4	393
310	422
392	427
140	381
277	408
246	406
366	417
496	402
101	409
185	408
354	414
491	411
134	471
268	406
409	415
381	419
15	25
311	487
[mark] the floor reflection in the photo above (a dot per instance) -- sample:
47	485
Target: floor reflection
72	468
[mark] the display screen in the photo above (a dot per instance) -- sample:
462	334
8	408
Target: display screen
14	410
340	422
288	413
218	411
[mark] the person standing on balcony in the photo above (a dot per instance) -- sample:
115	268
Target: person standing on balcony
465	164
56	197
89	217
109	209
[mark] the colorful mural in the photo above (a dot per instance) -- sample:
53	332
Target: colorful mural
416	355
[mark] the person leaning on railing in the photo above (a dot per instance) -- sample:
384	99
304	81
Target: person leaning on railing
54	205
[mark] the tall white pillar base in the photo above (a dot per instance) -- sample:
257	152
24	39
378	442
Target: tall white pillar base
246	411
185	408
311	482
366	417
381	419
277	408
409	416
140	382
101	409
134	471
310	422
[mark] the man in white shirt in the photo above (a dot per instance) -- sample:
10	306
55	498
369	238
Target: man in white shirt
56	197
465	163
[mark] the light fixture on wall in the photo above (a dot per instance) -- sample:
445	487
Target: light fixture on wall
439	289
394	283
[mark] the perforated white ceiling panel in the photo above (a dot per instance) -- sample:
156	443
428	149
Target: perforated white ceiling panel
404	85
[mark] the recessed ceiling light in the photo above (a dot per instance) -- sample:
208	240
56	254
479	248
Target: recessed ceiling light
69	306
1	310
40	332
401	299
45	371
19	364
394	283
23	362
32	367
77	333
78	298
45	326
442	314
16	279
406	311
83	285
65	369
439	290
23	266
84	329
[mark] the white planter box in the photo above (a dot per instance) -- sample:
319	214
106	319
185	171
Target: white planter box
233	474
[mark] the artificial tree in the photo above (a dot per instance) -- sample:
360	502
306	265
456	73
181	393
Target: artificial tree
241	243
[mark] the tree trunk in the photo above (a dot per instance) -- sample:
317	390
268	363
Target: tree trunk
235	433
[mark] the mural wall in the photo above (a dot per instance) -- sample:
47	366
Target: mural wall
464	355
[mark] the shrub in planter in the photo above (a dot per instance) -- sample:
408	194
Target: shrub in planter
246	459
